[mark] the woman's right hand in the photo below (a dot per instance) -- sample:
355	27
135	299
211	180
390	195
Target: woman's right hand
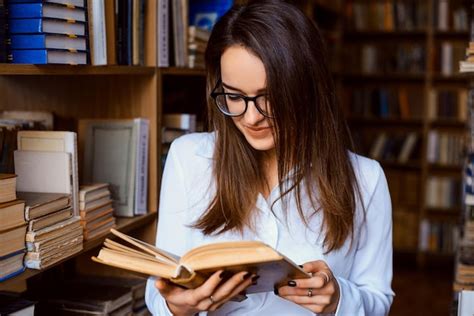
208	297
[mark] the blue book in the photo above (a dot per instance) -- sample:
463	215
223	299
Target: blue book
47	41
45	10
55	26
45	56
11	265
75	3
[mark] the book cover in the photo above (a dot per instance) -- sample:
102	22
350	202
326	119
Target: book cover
47	56
53	231
97	32
194	267
12	240
38	204
71	3
46	25
11	265
50	219
45	10
12	214
47	41
7	187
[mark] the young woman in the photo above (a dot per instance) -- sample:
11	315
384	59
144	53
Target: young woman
276	168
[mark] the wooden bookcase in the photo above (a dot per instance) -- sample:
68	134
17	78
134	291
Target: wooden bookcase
408	181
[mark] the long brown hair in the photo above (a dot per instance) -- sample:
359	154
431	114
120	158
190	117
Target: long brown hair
311	136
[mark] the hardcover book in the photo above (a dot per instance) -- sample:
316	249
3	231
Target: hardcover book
47	56
45	10
7	187
12	214
47	41
195	266
41	204
54	26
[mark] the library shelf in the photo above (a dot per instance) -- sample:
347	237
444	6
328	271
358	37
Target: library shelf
381	77
448	123
463	35
376	121
124	225
383	35
182	71
36	70
446	169
443	214
453	79
400	165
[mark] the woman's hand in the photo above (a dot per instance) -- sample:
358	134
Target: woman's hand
319	294
208	297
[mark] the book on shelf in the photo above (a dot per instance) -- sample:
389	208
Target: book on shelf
7	187
193	268
47	41
46	25
54	141
47	56
11	265
46	9
39	120
50	219
12	214
12	240
12	304
162	33
3	28
465	303
38	204
115	152
96	212
97	32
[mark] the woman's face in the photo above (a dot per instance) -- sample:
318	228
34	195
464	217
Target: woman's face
243	73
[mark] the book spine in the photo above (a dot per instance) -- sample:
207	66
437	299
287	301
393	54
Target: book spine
28	56
162	32
142	168
42	41
110	32
25	26
97	36
30	41
27	10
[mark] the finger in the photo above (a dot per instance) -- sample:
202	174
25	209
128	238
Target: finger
206	289
224	290
304	300
238	290
315	266
317	281
166	288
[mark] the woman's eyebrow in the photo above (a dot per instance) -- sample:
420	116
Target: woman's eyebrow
238	90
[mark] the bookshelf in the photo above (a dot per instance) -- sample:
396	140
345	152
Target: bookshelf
407	64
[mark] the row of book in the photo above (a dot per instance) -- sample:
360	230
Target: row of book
443	192
391	15
445	148
389	58
405	103
448	104
82	295
113	151
404	189
446	57
438	237
400	148
405	231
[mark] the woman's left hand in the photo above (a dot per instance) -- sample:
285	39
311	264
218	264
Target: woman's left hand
319	294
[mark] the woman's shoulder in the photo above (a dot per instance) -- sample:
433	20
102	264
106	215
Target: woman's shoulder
367	171
199	144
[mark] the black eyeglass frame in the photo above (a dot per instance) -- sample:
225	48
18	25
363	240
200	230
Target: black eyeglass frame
215	94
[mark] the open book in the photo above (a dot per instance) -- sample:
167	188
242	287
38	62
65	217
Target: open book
195	266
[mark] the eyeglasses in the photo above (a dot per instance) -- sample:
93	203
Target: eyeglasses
234	104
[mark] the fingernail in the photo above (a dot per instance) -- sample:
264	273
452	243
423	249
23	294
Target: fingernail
225	274
246	276
275	290
254	279
292	283
300	265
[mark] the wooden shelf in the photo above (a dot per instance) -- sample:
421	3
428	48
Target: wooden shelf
458	78
123	224
448	123
443	214
181	71
462	35
67	70
383	35
445	168
383	77
385	121
400	165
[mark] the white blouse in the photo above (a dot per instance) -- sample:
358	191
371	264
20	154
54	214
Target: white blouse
363	271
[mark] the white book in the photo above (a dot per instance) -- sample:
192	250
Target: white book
446	58
97	34
162	33
184	121
110	156
40	171
54	141
443	15
141	181
407	148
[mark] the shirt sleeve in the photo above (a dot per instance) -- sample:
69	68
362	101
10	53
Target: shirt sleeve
368	291
172	229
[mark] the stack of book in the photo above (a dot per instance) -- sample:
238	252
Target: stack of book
197	43
12	228
467	65
47	32
96	210
53	232
116	152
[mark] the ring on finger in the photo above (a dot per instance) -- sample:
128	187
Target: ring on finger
211	298
310	292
